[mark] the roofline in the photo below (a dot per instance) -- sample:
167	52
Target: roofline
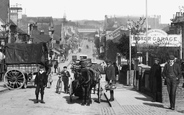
115	30
2	20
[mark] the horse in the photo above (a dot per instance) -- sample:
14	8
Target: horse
86	78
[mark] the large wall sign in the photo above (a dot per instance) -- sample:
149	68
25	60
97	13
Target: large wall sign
157	37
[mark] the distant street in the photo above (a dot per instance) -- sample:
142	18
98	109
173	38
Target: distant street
21	101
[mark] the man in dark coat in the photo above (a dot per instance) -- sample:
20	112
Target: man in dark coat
65	78
116	71
40	83
56	66
172	74
110	77
156	80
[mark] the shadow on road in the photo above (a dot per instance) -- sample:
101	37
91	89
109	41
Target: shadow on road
180	111
33	100
31	86
143	98
75	100
154	105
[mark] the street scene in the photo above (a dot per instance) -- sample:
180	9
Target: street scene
75	64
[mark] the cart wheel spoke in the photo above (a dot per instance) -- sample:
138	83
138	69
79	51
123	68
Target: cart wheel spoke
8	77
9	74
20	76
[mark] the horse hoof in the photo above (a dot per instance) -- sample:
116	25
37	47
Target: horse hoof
83	103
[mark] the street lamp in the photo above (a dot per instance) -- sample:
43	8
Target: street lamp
130	43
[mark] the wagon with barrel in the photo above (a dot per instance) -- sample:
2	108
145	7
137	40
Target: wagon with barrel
22	62
76	86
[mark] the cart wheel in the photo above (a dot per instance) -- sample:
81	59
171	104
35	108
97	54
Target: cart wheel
14	79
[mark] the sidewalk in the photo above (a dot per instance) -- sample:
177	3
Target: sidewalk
130	102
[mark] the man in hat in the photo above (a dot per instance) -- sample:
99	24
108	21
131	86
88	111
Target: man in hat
65	78
110	77
172	74
40	83
156	80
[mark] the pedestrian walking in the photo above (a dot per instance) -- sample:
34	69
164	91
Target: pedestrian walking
110	78
172	74
40	83
55	66
104	65
156	80
50	80
116	72
65	78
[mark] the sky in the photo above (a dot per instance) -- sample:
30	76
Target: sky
97	9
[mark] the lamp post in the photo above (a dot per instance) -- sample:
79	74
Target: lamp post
181	53
130	60
147	55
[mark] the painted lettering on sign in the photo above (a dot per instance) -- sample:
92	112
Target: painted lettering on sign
157	38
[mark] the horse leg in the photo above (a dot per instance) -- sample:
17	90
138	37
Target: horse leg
83	96
89	95
94	89
71	97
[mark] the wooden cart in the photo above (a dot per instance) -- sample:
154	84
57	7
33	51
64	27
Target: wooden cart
22	62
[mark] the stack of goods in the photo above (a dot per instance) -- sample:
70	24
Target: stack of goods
86	62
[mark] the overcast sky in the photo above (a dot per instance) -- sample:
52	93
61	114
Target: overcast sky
97	9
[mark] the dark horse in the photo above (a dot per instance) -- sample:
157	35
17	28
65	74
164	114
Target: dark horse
85	79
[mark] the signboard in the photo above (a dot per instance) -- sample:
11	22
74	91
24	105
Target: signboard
115	34
157	37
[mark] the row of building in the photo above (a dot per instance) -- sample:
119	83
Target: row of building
18	28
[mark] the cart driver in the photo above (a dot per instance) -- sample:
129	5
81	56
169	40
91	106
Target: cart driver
40	83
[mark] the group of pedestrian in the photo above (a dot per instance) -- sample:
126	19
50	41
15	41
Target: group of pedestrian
171	74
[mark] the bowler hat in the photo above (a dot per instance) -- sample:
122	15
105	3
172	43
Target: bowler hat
157	59
108	61
41	67
171	57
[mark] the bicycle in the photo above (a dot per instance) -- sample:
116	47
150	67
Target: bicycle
59	84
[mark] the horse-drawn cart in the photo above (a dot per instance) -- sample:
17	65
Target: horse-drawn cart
22	62
87	76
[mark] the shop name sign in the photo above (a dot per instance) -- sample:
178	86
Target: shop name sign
156	37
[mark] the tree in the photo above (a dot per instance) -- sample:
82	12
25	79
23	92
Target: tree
123	46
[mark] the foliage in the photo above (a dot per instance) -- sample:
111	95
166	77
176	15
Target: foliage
111	50
123	46
163	52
